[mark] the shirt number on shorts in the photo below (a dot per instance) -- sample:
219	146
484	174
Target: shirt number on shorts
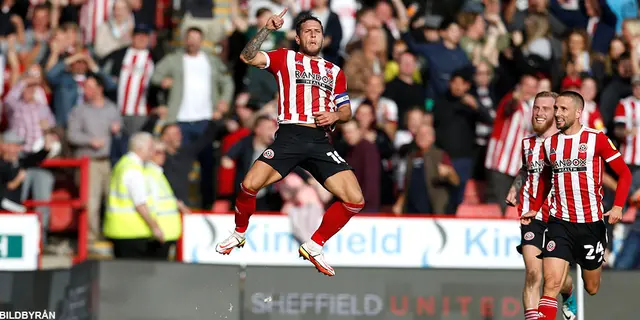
599	249
336	157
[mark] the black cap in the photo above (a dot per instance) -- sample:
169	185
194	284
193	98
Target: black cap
142	28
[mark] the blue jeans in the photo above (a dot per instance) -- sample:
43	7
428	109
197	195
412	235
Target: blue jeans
627	259
191	131
39	182
464	169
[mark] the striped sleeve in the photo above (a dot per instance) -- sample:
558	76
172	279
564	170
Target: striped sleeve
620	115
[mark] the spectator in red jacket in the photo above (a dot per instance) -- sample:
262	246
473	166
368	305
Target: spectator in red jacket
364	158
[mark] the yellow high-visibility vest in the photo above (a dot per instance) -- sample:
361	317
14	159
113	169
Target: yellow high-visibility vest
122	220
163	203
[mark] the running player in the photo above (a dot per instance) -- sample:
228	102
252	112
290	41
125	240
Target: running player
576	230
312	98
526	185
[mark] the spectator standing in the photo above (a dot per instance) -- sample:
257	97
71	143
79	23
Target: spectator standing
34	46
163	205
29	117
133	67
128	221
244	152
404	90
504	158
367	62
386	109
199	86
443	58
627	129
455	116
428	177
90	129
332	29
181	155
366	118
363	156
114	33
484	93
591	114
67	79
94	13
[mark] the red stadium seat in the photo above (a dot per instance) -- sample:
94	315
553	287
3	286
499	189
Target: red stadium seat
512	213
471	195
62	217
221	206
478	211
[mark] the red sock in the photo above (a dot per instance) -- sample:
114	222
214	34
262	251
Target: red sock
334	219
245	207
548	308
531	314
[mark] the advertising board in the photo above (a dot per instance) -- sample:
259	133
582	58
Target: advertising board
363	242
19	242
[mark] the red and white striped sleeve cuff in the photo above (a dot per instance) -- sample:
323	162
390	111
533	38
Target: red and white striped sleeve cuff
613	157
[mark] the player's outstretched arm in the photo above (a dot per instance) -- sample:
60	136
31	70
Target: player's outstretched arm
249	54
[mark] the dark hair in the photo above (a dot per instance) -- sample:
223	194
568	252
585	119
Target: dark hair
97	78
368	104
304	18
42	6
193	29
166	127
260	119
576	97
262	11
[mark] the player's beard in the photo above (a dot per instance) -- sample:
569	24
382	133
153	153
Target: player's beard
312	53
567	124
541	128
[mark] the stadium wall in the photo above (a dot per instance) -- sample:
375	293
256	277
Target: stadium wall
97	290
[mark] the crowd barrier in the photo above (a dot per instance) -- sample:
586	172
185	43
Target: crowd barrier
107	290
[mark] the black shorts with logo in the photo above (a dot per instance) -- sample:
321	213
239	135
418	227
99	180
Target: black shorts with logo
307	147
581	243
532	234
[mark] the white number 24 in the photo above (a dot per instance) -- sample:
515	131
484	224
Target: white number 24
599	249
336	157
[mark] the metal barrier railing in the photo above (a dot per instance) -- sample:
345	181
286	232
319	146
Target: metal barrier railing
79	203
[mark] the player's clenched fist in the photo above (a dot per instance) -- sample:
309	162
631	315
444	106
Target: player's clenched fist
276	21
526	218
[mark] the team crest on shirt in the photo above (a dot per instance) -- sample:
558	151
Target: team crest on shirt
551	246
582	148
268	154
529	236
553	151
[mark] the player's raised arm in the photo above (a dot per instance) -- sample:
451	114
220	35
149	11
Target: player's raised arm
249	54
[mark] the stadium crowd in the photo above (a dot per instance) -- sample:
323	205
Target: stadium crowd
436	89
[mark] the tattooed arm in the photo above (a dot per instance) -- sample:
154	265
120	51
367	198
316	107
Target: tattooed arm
249	54
516	187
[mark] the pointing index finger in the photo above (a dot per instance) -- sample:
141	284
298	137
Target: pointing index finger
283	12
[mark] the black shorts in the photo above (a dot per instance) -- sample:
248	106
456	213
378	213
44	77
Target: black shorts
307	147
581	243
532	234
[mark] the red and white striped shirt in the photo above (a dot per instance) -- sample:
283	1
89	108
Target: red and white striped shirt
628	113
504	152
93	14
305	85
591	116
577	164
133	82
533	161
